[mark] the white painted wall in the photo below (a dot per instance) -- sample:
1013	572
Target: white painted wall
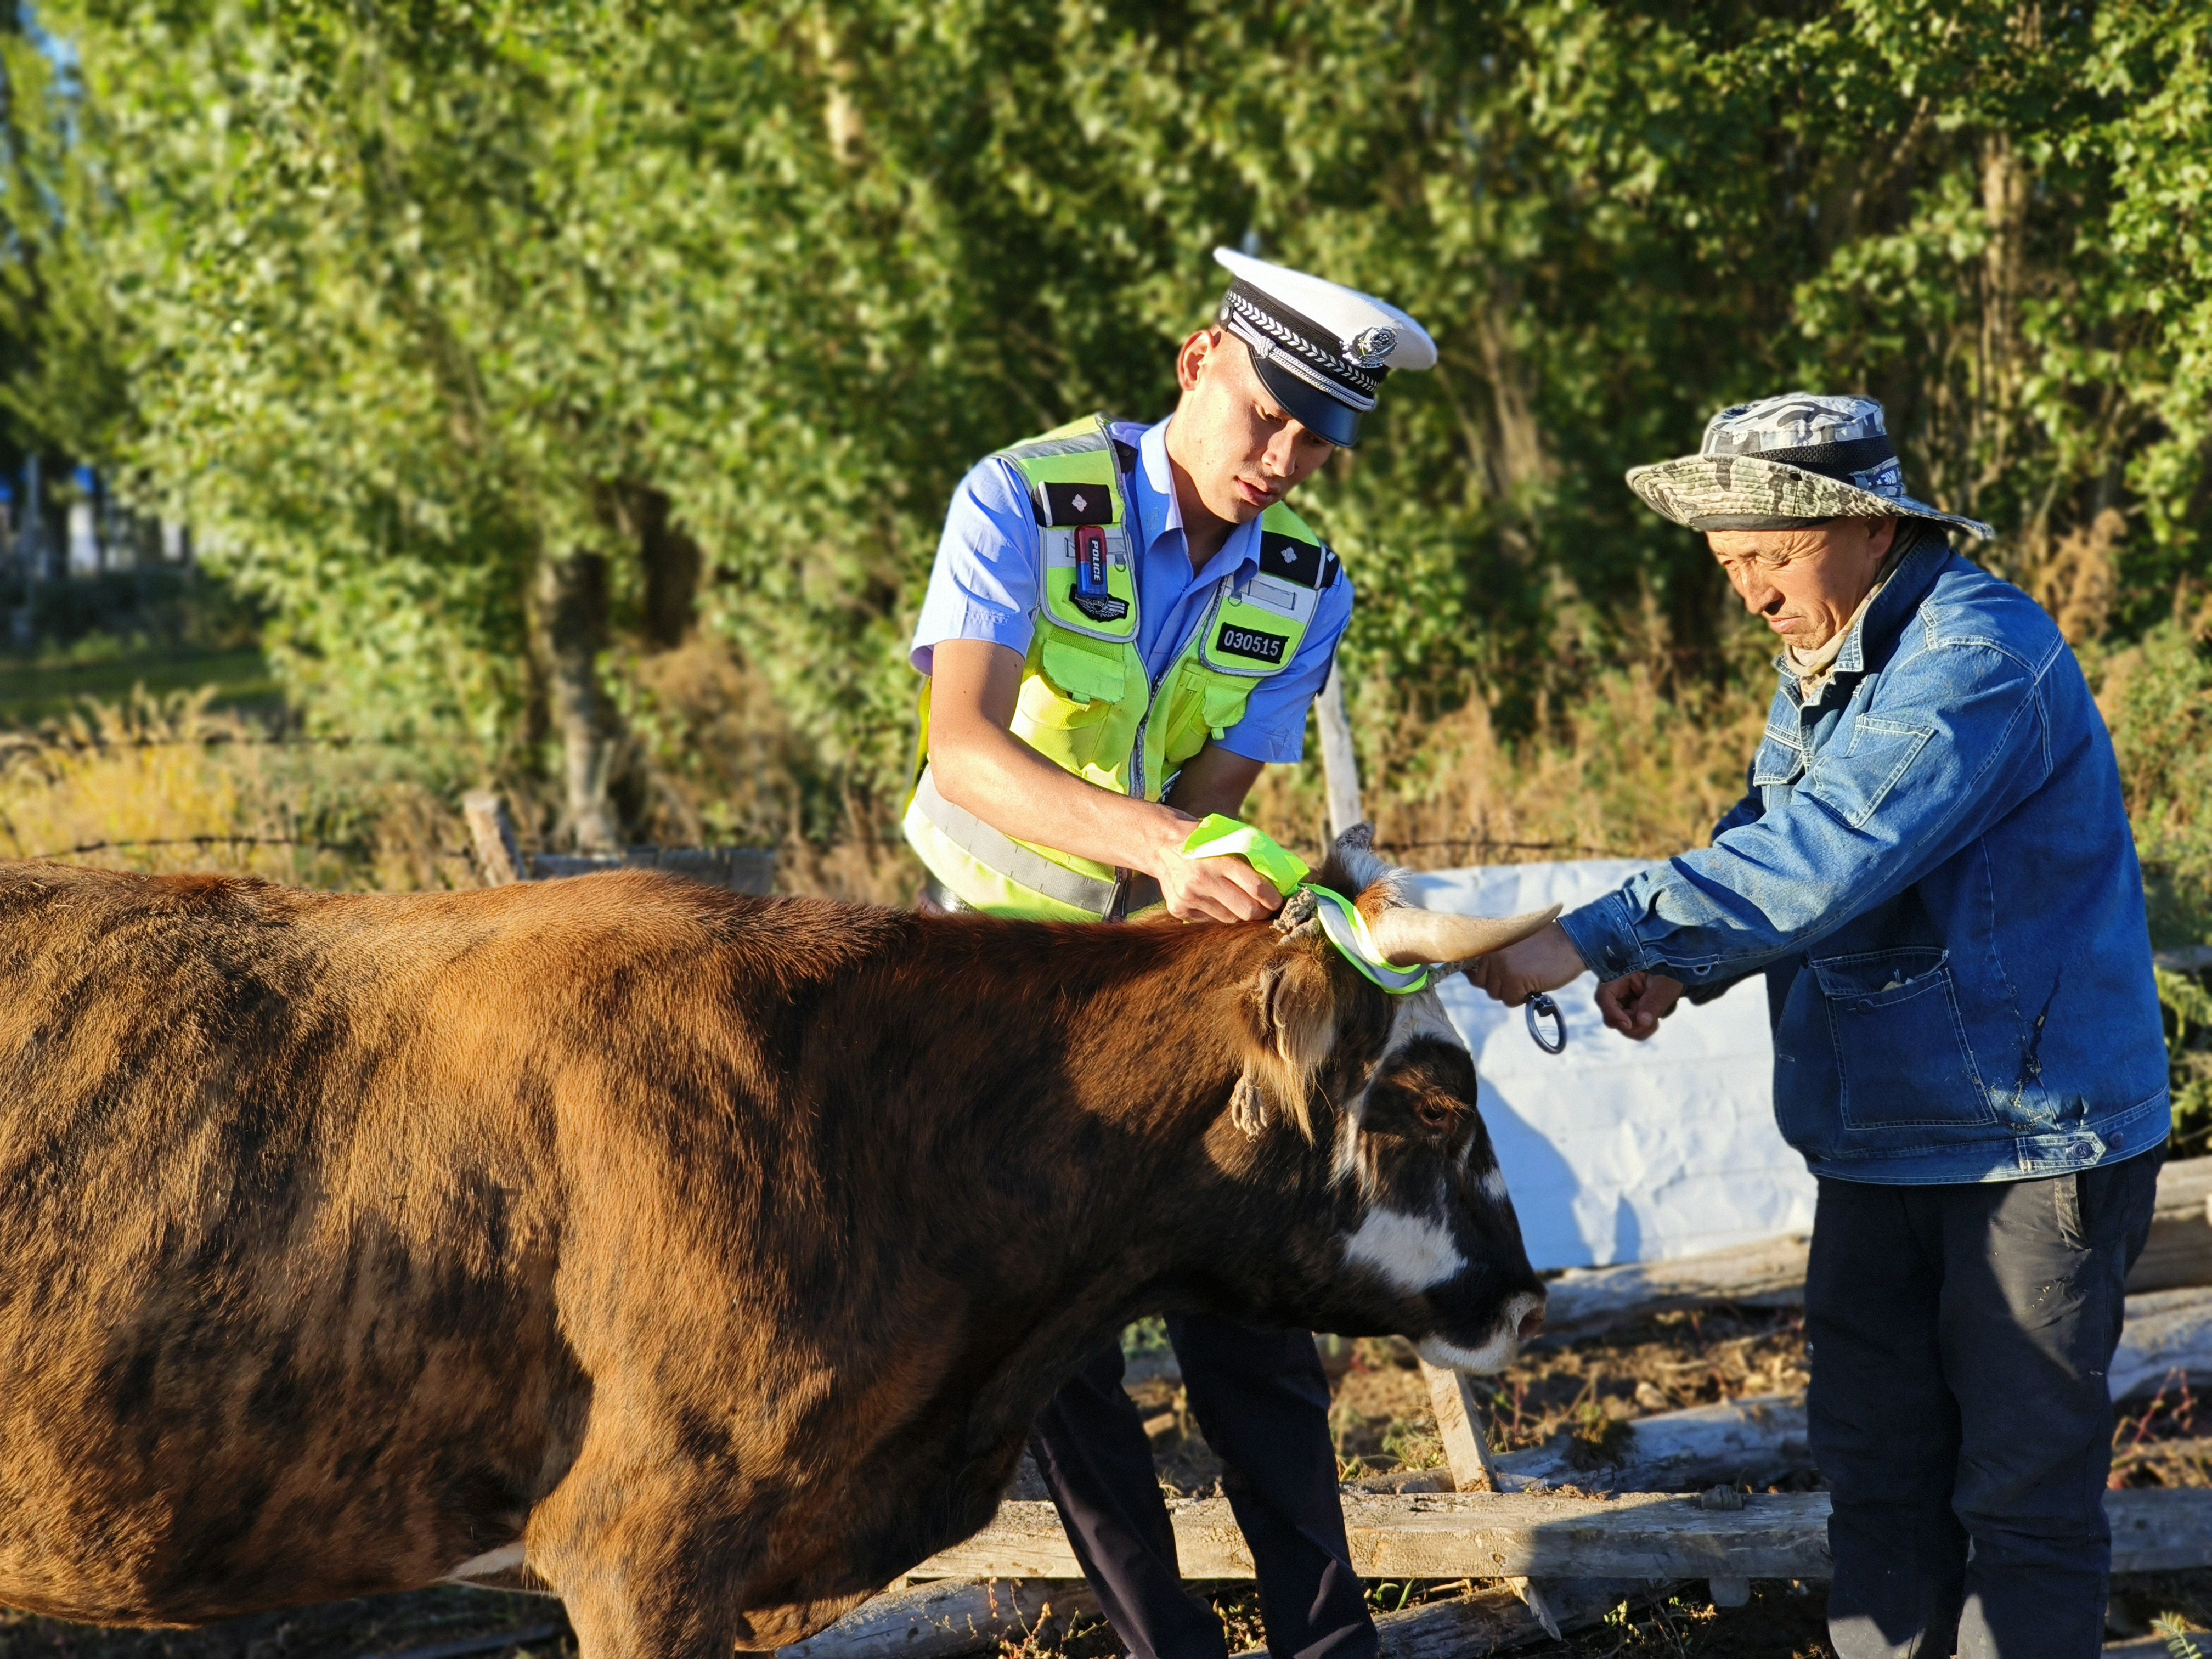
1619	1150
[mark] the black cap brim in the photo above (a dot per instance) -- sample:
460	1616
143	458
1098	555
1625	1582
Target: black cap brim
1310	406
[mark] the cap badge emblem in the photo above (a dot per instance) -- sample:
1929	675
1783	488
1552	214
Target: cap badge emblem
1372	347
1082	503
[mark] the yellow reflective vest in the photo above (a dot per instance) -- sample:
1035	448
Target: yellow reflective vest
1087	702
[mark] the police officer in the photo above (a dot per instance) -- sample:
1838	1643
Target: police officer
1124	625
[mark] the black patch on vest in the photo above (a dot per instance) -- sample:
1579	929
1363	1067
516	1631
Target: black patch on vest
1250	642
1068	504
1099	607
1306	563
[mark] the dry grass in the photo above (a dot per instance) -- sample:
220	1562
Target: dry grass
717	764
1640	765
167	784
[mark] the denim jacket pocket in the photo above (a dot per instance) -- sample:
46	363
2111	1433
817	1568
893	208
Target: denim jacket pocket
1856	783
2066	1196
1901	1044
1778	761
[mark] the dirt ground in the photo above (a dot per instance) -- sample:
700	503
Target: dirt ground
1381	1421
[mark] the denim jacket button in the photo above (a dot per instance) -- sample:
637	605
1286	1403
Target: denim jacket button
1866	1006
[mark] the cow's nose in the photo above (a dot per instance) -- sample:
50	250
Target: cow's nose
1532	1323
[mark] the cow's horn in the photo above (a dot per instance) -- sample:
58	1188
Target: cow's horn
1405	936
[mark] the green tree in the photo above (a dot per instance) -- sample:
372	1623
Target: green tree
471	331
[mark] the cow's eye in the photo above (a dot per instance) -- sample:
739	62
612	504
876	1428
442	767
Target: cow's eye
1435	1116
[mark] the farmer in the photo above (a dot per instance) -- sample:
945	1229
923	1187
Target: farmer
1935	872
1125	624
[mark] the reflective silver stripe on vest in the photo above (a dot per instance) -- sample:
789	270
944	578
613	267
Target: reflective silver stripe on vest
1009	857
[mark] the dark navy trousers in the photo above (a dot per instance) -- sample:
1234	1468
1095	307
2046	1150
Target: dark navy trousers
1262	1403
1960	1339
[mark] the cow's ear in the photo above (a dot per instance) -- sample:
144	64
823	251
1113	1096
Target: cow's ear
1291	1015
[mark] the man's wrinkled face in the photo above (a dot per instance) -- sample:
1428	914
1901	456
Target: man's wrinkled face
1806	582
1241	448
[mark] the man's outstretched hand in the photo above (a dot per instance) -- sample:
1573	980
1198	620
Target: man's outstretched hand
1542	962
1634	1004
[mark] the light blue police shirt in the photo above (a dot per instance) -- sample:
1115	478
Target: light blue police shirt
985	587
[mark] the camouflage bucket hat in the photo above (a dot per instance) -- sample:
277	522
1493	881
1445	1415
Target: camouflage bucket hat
1785	461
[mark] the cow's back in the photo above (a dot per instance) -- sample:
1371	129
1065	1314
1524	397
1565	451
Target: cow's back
286	1180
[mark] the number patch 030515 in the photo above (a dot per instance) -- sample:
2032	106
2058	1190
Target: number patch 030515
1235	641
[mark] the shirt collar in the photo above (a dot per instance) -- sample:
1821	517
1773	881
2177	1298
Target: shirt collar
1161	514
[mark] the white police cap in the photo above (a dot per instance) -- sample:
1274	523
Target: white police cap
1323	350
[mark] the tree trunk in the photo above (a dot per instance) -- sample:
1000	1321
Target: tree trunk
672	565
569	618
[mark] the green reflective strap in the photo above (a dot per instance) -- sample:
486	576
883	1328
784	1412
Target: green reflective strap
1340	921
1219	836
1347	930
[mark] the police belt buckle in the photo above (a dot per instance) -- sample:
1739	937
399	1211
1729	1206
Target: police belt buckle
1541	1007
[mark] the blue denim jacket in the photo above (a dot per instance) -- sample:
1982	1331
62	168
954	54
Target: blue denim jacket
1935	871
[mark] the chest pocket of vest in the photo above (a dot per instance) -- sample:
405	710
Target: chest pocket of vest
1226	701
1080	682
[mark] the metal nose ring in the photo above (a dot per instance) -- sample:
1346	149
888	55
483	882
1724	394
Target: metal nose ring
1541	1007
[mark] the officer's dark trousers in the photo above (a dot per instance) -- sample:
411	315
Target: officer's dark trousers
1960	1339
1262	1403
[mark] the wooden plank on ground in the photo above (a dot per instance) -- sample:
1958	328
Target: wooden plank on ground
2180	1250
2168	1338
1493	1620
1770	1272
1584	1301
1493	1535
929	1621
1755	1441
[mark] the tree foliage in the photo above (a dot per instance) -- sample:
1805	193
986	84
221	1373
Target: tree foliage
407	306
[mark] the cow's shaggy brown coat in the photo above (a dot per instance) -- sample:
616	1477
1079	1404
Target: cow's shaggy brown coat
718	1249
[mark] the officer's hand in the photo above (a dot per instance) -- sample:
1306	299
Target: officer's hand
1634	1004
1224	889
1542	962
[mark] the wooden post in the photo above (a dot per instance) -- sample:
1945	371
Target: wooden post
1465	1434
1461	1426
497	855
1340	765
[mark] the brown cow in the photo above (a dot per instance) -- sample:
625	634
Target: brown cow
704	1258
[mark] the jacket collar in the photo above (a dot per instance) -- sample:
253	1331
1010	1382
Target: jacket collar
1899	597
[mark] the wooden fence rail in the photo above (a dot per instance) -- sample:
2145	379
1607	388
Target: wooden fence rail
1447	1535
501	859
